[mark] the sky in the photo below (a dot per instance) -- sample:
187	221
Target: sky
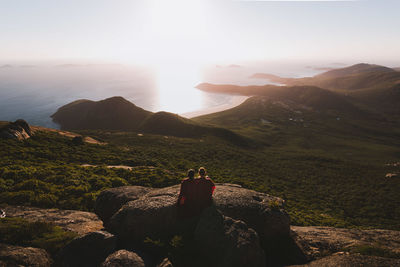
162	32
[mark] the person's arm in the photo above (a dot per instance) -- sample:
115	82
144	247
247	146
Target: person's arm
212	187
181	197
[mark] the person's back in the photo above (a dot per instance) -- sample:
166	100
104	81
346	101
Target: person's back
204	189
187	196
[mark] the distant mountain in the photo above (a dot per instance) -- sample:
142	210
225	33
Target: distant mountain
115	113
374	87
118	114
356	77
355	69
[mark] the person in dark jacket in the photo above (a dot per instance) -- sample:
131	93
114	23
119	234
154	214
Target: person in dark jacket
204	190
187	196
195	194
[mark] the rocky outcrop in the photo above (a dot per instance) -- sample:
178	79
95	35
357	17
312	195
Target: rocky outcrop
243	218
88	250
111	200
351	260
11	256
122	258
80	222
262	212
316	241
223	241
16	130
154	213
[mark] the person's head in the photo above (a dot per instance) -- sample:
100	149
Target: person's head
190	173
202	171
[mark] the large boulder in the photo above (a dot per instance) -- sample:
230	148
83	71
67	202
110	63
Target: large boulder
154	213
11	256
88	250
222	241
122	258
111	200
260	211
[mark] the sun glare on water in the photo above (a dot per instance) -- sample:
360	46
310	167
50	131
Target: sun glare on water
174	30
176	92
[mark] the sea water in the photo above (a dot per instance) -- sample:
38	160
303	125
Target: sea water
35	92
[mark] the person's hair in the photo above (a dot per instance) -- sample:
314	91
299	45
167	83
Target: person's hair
202	171
190	173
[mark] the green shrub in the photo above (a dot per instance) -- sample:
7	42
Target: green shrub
17	231
374	251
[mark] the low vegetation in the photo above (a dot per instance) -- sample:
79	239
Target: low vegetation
321	188
374	251
17	231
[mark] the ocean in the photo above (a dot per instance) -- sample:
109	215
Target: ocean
35	92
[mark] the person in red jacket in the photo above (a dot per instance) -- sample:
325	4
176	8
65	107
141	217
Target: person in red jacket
195	194
204	190
187	196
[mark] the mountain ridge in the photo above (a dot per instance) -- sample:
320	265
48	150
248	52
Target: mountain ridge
119	114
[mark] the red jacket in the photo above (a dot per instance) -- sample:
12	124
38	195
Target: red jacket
195	195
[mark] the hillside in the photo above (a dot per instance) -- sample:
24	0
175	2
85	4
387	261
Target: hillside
115	113
356	77
310	96
370	87
118	114
355	69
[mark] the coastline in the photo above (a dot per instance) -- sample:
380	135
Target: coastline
235	101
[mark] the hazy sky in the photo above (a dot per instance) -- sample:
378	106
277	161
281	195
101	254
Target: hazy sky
160	32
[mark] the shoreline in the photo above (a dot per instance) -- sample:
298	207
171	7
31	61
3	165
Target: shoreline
234	102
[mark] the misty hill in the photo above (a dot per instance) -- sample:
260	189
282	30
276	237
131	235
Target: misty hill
359	76
356	77
355	69
118	114
372	87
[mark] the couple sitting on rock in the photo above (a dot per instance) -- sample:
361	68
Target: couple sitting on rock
195	194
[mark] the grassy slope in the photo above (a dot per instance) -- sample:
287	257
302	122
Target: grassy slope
322	185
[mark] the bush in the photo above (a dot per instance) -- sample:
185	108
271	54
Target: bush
17	231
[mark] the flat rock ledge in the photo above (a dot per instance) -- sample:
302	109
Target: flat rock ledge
80	222
11	256
316	241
